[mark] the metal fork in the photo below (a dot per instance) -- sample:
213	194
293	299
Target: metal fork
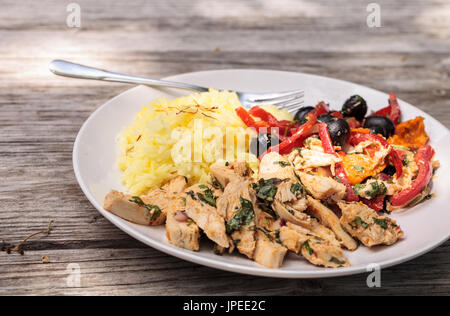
288	100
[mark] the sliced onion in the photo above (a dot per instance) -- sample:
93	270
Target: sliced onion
181	216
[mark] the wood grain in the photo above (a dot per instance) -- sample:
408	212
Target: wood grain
40	115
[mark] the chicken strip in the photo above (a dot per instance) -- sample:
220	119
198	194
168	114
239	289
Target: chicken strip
291	215
329	219
133	209
237	204
275	166
305	159
149	209
366	225
181	231
315	249
224	174
201	207
323	188
267	252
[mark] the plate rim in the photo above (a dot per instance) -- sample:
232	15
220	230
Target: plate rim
231	267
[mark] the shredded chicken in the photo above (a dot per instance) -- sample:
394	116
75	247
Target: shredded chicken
329	219
365	224
315	249
323	188
206	215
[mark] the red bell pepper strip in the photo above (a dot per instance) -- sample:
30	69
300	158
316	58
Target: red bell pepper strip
376	203
249	121
286	146
392	111
423	159
264	115
395	109
321	108
286	127
325	137
328	148
357	137
353	122
337	114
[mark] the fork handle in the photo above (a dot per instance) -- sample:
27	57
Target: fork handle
68	69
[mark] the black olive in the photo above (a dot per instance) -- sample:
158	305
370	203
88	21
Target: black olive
389	170
355	106
380	125
338	128
262	142
301	113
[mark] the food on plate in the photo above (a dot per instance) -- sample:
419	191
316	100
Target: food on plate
410	134
317	183
355	107
379	125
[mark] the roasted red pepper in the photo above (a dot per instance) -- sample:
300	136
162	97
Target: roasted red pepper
392	111
321	108
324	135
353	122
264	115
286	127
395	109
249	121
423	160
328	148
357	137
286	146
337	114
376	203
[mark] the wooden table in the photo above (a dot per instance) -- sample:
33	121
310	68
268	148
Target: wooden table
40	115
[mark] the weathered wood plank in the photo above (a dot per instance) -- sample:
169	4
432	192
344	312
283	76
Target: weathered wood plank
40	115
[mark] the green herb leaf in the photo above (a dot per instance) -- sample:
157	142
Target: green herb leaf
337	261
297	188
358	187
154	209
207	196
245	216
377	188
380	222
267	189
267	209
282	163
358	220
308	248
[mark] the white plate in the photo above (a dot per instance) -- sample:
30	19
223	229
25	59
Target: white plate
95	152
